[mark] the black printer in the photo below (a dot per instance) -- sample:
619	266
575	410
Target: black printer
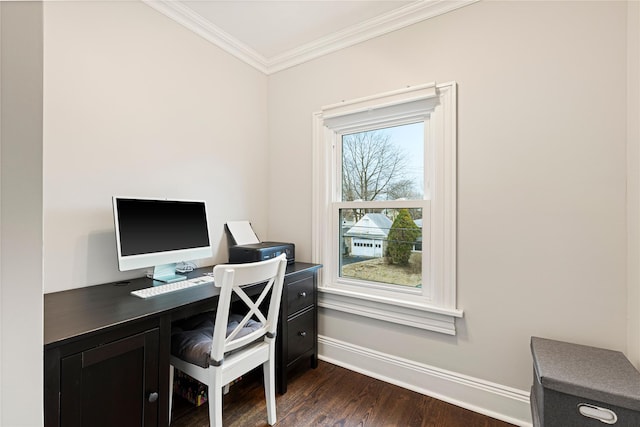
256	250
261	251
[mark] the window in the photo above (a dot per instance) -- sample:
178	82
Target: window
385	206
378	246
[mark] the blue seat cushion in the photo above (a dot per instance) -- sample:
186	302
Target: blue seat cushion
191	338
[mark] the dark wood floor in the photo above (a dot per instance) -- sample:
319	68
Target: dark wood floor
332	396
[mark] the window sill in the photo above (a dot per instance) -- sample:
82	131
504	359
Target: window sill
405	313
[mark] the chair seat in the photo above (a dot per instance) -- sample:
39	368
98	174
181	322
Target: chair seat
191	338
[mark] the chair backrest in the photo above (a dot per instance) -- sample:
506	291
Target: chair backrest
230	278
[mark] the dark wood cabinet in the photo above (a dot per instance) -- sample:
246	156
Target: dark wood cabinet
106	352
115	384
297	340
106	378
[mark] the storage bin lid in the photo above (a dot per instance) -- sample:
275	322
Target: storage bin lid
589	372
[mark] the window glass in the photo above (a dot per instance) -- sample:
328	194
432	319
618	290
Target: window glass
382	246
384	164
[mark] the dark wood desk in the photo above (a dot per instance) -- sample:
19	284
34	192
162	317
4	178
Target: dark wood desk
106	358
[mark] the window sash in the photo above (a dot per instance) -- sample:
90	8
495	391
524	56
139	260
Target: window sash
339	141
381	288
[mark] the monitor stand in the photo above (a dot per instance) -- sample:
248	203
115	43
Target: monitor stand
166	273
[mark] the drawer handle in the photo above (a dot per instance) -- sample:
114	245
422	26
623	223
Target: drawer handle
601	414
302	333
153	397
302	294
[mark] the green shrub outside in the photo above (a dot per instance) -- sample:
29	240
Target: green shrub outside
402	236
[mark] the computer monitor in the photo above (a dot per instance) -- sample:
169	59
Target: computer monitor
160	233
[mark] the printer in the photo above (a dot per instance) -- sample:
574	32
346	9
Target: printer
261	251
244	245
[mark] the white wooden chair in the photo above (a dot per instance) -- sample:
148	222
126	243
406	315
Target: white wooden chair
233	354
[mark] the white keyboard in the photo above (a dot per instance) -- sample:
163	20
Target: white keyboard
172	287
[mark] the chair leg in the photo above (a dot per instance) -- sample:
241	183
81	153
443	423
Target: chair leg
270	391
215	400
171	369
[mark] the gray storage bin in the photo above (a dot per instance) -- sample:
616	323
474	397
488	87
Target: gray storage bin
581	386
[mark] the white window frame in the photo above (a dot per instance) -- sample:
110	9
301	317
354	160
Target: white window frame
433	307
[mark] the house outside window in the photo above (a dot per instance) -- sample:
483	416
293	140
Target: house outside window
385	206
366	237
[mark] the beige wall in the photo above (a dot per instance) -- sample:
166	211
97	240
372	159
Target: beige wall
21	214
633	181
541	175
137	105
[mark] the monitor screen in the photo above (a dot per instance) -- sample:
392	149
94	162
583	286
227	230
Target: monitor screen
160	233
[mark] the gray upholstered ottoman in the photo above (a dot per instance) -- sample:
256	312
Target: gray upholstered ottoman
581	386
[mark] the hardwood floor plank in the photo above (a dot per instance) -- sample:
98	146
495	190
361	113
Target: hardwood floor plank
332	396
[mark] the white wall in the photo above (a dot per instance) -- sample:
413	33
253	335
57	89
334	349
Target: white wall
137	105
541	175
633	181
21	214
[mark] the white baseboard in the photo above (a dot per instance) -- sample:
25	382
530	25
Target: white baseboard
491	399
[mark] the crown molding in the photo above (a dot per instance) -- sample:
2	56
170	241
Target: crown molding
412	13
193	21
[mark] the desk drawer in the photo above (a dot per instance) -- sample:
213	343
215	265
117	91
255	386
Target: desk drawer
300	294
301	334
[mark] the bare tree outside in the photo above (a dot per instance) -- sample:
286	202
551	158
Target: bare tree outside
371	166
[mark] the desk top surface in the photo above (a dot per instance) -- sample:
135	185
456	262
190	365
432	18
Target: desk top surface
77	312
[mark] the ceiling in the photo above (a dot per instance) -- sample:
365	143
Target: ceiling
272	35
